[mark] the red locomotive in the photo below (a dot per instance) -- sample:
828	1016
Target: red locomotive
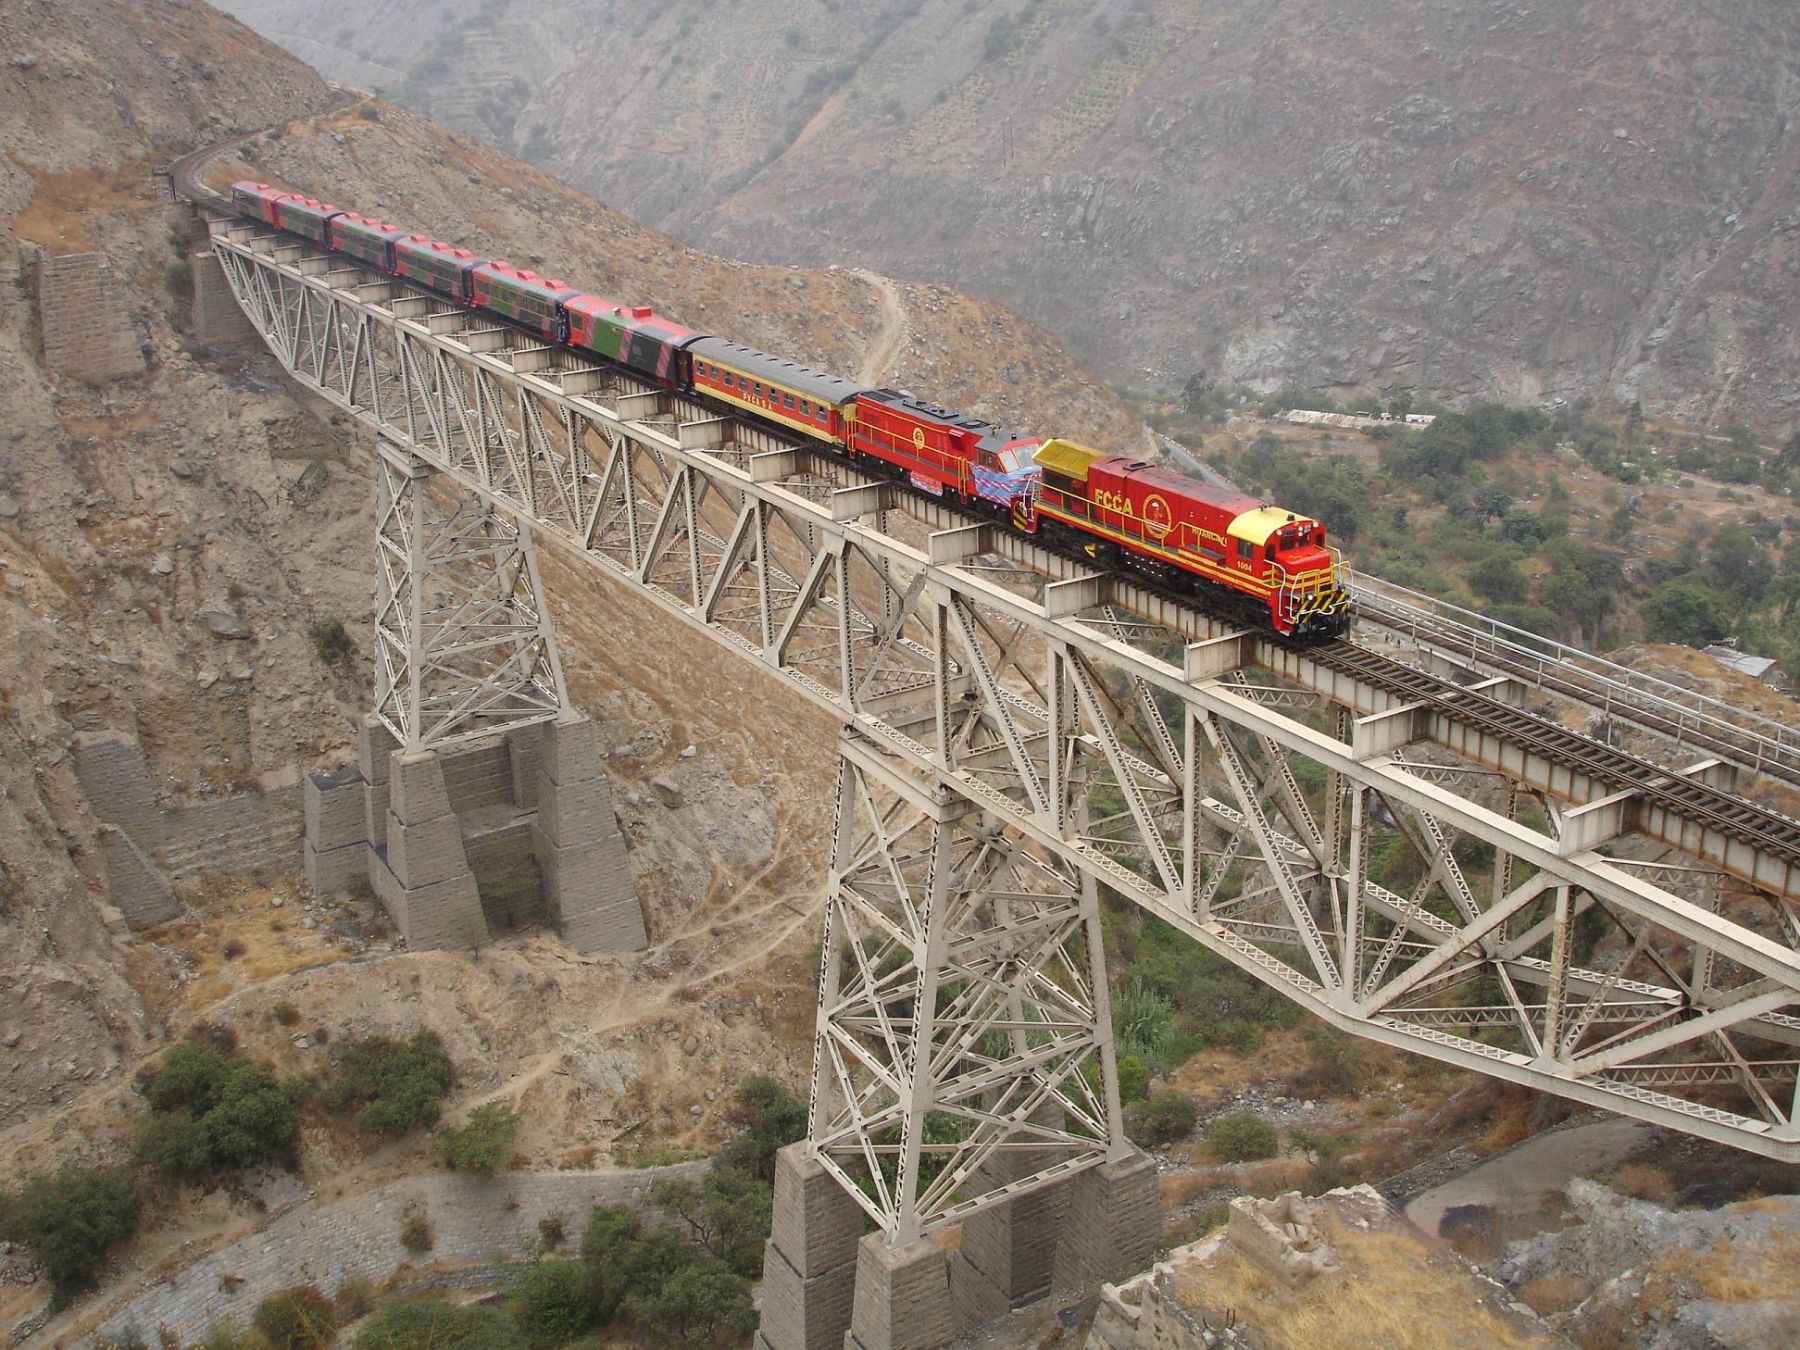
1265	563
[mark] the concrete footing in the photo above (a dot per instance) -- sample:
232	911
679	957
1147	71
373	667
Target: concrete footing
588	888
217	318
1007	1257
823	1286
809	1261
902	1297
423	876
1113	1224
460	843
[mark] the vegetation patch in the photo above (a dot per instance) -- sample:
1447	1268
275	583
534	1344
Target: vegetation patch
393	1086
481	1145
212	1110
69	1220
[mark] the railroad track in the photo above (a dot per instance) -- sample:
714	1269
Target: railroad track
1760	826
1775	752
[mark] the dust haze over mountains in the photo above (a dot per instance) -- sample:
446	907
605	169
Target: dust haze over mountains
1529	200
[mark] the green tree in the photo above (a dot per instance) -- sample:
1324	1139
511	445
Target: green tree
1684	611
438	1324
1634	422
1497	577
1400	404
698	1305
69	1220
1738	567
1241	1137
210	1111
399	1084
770	1117
626	1261
1166	1118
727	1212
1134	1078
554	1303
482	1143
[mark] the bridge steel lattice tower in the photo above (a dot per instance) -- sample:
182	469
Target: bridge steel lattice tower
1414	859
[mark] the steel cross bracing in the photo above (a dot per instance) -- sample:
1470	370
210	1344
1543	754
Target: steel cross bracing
463	647
1413	862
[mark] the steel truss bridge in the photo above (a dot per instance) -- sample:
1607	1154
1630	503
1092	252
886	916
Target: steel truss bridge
1399	846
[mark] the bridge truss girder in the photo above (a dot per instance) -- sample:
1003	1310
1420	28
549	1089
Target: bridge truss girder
1291	824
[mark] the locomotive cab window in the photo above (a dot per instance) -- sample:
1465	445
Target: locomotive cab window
1246	549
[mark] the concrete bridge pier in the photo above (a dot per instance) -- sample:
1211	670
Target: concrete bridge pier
830	1285
423	876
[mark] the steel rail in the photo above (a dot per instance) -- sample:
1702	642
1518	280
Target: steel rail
333	326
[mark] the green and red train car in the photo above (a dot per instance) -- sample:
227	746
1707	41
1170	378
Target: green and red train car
1273	565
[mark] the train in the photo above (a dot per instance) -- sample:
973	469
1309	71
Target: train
1262	563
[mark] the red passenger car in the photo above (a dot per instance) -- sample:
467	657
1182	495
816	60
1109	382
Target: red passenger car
946	453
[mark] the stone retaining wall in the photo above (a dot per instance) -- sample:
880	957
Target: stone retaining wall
474	1221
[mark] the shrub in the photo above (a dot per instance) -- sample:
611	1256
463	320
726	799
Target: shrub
401	1085
286	1014
211	1110
437	1324
1134	1078
554	1303
626	1260
175	1144
354	1298
416	1235
69	1220
553	1231
481	1145
771	1117
331	643
1164	1119
1241	1137
300	1318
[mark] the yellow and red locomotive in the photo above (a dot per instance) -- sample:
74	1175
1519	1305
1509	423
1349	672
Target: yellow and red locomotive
1275	564
1268	565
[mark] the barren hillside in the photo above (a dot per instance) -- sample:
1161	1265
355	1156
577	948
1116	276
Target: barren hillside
1515	199
205	481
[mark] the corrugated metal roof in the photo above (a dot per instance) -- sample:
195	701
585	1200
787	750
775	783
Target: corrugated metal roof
1068	458
773	370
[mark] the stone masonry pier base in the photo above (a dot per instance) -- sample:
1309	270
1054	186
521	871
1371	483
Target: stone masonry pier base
1113	1224
902	1297
809	1261
423	876
588	887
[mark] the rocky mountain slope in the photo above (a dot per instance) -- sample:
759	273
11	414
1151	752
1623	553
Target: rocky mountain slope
1521	199
208	482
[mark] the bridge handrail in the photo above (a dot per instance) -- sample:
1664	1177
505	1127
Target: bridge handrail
1773	745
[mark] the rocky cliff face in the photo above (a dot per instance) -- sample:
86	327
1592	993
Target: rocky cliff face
1510	198
168	536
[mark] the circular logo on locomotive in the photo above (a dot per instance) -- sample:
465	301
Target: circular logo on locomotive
1158	519
918	438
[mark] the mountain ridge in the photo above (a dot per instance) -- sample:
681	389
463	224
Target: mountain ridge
1513	199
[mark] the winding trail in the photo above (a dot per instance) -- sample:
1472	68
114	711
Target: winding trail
885	350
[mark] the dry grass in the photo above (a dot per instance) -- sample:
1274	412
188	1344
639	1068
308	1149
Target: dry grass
57	215
1727	1273
1393	1290
266	942
1554	1294
1641	1181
